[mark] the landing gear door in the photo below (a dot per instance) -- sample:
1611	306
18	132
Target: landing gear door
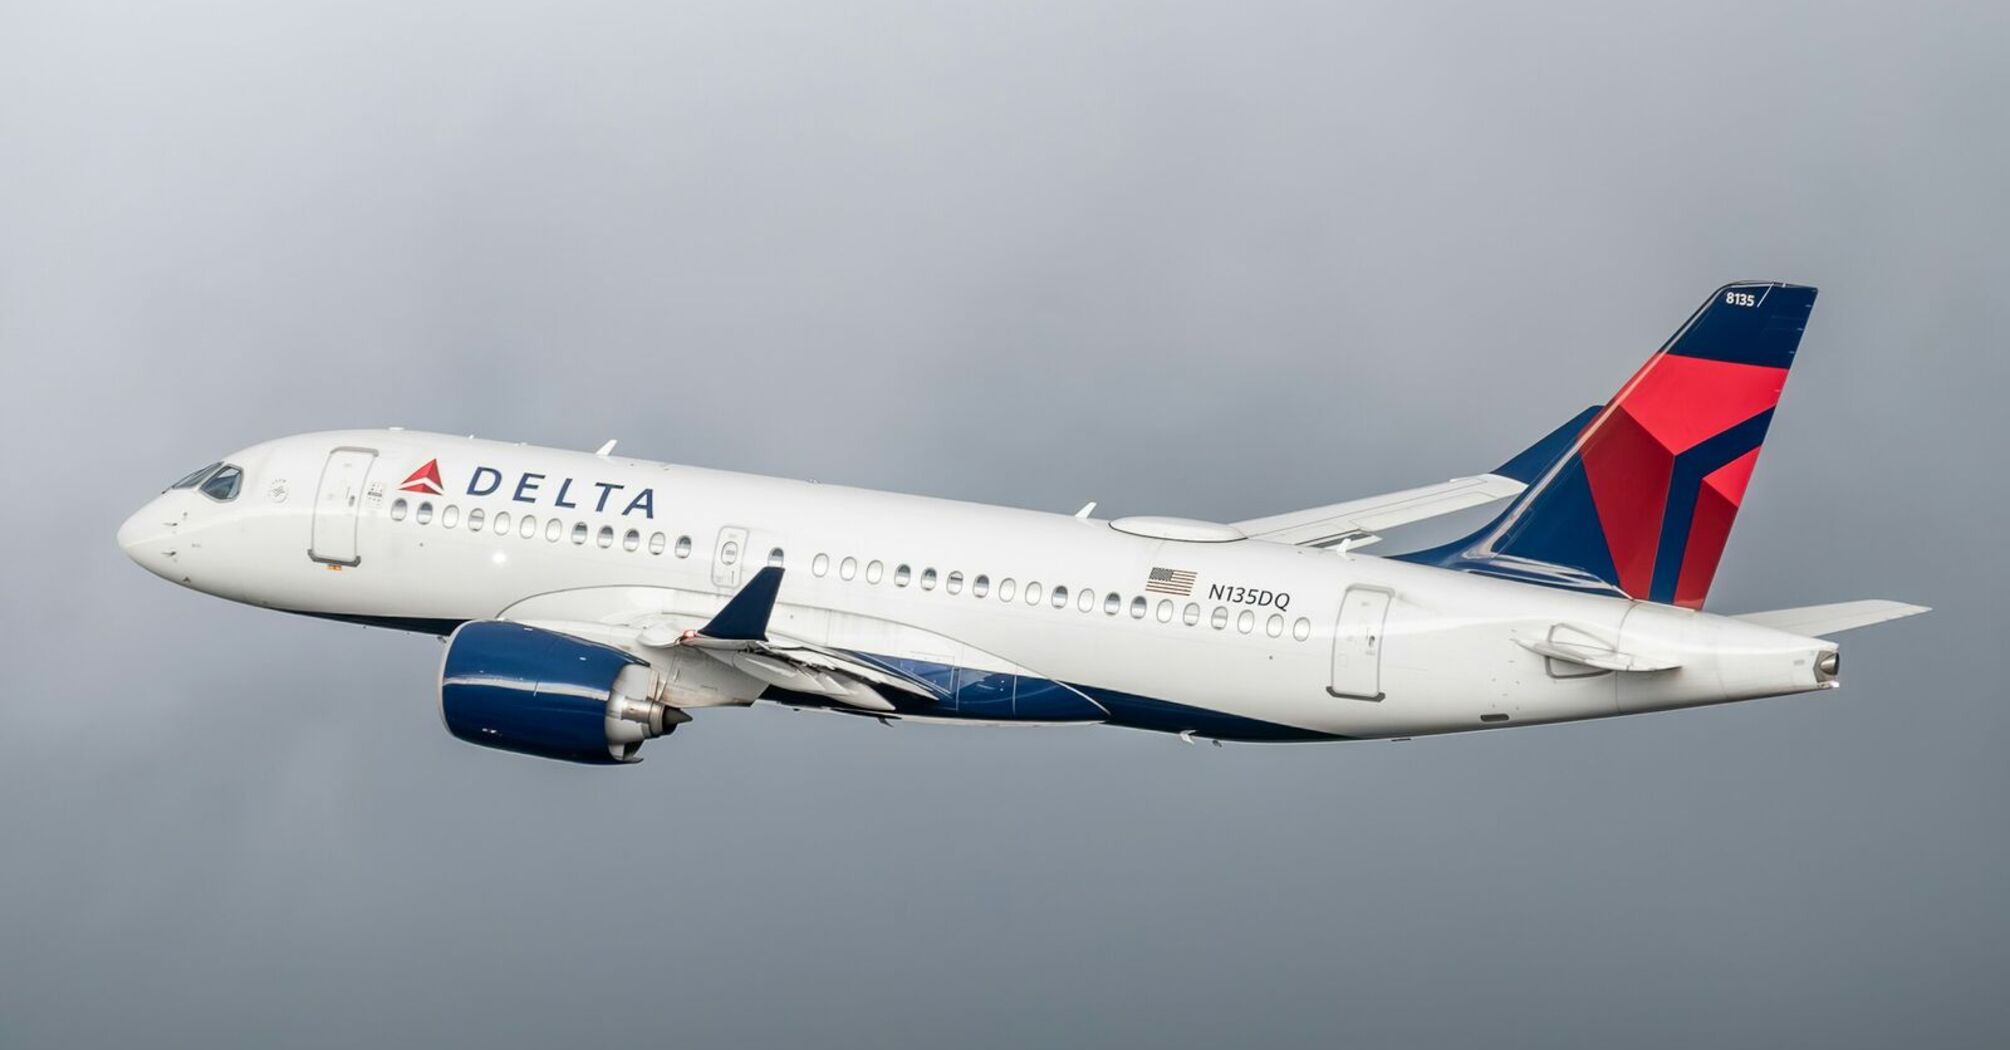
1357	644
728	555
338	503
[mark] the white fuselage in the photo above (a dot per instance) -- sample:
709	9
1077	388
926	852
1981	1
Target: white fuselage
1236	638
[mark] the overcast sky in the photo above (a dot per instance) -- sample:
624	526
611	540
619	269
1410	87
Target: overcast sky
1218	261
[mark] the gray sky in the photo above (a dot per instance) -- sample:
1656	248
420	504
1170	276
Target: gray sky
1208	260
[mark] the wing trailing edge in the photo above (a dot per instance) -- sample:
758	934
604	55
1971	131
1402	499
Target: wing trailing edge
738	637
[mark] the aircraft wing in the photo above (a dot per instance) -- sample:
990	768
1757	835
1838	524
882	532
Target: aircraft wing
1358	522
739	638
791	664
800	648
1361	520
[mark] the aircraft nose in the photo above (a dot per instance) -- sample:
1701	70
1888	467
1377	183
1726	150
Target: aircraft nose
130	532
148	539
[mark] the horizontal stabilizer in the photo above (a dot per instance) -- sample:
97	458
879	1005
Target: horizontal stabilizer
1358	522
1820	621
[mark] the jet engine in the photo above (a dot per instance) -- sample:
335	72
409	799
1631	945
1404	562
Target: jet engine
538	692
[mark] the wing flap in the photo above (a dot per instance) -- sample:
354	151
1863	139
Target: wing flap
788	674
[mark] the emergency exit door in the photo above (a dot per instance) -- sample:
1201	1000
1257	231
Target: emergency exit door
727	555
1357	644
338	503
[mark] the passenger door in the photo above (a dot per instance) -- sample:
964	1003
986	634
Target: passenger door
1357	644
338	502
728	555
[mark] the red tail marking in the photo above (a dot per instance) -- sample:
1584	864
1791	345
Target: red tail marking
1686	400
1716	507
1628	472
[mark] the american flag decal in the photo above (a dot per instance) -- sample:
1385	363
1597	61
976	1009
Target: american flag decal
1170	581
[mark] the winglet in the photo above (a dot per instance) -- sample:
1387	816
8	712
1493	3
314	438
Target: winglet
745	617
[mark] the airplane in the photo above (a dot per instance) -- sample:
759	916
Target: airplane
590	603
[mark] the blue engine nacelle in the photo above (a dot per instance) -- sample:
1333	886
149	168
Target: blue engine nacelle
538	692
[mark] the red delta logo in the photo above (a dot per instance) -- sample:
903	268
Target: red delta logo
426	479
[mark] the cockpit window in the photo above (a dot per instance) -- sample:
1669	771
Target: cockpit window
222	486
194	477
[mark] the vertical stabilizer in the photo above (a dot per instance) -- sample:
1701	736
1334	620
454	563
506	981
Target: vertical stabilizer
1643	501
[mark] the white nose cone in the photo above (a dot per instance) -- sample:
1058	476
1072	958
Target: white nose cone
148	539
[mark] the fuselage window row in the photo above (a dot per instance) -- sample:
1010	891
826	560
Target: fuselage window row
554	529
903	574
980	586
1112	602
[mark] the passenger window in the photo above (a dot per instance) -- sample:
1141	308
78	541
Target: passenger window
820	564
775	557
954	584
1274	626
873	571
450	517
1246	621
1301	628
631	540
1219	621
605	537
398	510
1190	615
928	579
425	514
1033	592
1165	610
553	529
1006	588
657	541
979	587
1060	599
847	568
527	527
475	516
683	545
502	523
901	574
729	552
222	485
579	534
1086	600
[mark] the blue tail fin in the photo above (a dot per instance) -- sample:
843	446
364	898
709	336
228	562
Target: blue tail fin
1534	461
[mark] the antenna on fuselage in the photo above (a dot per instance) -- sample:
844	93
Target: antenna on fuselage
605	449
